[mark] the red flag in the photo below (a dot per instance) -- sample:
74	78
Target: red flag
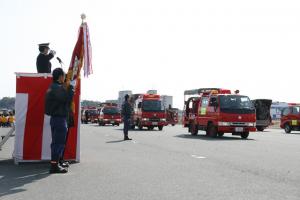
82	55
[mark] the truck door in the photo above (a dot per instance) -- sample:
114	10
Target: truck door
285	115
294	116
213	109
202	111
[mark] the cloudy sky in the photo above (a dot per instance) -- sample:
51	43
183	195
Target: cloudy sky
168	45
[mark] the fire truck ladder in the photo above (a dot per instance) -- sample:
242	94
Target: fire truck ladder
7	136
199	91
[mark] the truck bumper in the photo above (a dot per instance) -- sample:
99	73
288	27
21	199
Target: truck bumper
263	123
110	121
147	123
232	129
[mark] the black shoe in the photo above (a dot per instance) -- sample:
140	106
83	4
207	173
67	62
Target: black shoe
64	164
127	138
57	169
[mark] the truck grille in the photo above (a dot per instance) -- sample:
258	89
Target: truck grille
154	119
238	124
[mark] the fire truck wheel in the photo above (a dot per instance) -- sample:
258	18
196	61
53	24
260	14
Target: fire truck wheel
173	124
193	129
260	128
212	130
245	135
160	128
287	128
220	134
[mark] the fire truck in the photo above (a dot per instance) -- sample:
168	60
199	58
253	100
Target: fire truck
148	111
218	111
172	116
290	118
89	114
109	113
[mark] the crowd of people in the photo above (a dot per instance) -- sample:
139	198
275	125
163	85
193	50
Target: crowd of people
7	120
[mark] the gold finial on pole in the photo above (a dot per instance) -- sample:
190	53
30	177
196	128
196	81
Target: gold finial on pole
83	17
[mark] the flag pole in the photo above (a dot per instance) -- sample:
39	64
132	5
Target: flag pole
69	78
83	17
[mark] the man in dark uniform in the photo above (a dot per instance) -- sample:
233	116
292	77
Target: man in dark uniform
57	105
43	63
126	114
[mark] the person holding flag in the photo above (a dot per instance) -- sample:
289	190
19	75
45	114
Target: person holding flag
57	106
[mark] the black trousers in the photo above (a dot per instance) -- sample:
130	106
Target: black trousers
126	126
59	131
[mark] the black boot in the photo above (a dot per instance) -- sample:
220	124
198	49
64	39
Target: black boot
57	169
64	164
127	138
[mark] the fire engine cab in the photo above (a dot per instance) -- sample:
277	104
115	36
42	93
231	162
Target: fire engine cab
218	111
148	111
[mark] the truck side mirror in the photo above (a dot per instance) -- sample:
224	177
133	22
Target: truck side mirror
140	105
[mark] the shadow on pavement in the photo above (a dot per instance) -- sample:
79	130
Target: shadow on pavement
116	141
137	130
204	137
14	177
108	125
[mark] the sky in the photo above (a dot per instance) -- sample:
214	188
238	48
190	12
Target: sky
168	45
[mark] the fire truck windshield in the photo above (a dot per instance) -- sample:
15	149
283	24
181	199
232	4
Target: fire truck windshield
91	112
152	105
111	111
236	103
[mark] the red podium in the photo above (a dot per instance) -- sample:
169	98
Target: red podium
33	132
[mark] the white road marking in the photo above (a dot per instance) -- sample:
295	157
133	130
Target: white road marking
199	157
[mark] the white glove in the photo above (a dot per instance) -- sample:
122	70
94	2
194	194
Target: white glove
73	83
53	52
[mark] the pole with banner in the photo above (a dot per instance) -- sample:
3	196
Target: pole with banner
81	57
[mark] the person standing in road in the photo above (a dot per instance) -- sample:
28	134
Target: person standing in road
126	114
57	106
43	63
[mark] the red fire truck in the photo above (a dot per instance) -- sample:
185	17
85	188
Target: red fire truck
218	111
89	114
148	112
290	119
109	114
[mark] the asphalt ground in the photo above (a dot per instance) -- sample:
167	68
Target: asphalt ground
168	164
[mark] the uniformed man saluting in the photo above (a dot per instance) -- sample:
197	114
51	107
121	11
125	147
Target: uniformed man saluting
43	63
57	106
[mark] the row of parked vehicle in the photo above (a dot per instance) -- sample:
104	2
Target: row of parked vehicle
147	112
214	110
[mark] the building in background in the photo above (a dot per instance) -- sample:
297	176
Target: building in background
167	101
121	97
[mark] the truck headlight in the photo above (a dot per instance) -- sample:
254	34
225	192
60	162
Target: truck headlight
145	119
251	124
223	123
163	119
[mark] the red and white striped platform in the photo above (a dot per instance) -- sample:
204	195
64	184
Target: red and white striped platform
33	133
